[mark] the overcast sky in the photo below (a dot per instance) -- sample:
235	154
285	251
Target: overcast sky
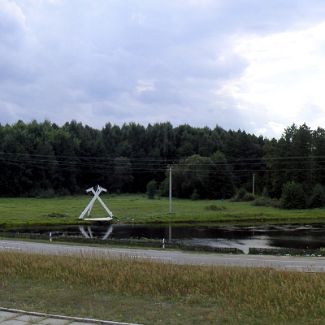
257	65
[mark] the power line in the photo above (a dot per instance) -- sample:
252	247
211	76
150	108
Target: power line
166	160
35	164
143	164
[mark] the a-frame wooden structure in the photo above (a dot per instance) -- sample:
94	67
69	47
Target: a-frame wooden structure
87	210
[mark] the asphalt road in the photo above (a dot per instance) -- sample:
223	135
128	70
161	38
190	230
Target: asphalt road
292	263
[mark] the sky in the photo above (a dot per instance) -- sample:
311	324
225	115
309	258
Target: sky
252	65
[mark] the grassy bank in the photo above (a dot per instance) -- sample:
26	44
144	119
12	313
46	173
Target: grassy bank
152	293
139	209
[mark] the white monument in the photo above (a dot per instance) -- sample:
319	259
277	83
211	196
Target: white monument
91	204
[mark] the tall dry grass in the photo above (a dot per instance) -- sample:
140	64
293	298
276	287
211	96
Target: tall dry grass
267	291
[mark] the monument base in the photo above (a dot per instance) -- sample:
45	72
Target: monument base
98	219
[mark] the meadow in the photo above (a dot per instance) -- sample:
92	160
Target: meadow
139	209
152	293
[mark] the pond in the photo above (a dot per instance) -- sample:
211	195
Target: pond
298	236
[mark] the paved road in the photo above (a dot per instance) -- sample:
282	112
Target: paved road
307	264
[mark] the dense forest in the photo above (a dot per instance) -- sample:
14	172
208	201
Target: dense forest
45	159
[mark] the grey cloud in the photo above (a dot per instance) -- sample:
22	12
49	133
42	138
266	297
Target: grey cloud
83	59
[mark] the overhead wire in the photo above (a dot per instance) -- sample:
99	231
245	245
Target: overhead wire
72	166
175	160
149	165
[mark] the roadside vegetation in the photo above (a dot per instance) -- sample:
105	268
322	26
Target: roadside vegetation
140	209
153	293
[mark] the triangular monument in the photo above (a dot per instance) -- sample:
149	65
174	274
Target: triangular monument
89	207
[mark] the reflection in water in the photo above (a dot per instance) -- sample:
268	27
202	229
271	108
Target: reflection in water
88	233
301	236
242	244
108	232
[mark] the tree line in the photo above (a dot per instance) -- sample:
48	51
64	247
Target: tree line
46	159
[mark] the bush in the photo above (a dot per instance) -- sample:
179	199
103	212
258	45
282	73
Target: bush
151	189
293	196
195	195
265	192
248	197
243	196
266	202
317	199
43	194
63	192
164	187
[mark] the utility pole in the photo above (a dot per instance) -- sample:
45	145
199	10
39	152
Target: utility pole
170	190
253	184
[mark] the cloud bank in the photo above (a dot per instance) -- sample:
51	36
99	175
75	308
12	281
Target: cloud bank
245	64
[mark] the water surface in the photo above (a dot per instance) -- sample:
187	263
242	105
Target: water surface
301	236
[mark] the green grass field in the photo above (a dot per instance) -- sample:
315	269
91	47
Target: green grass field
156	293
139	209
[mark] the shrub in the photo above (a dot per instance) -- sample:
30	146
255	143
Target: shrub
43	194
317	199
293	196
164	187
266	202
195	195
243	196
63	192
151	189
265	192
240	194
248	197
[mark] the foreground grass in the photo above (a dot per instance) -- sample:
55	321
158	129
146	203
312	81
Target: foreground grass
152	293
138	209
